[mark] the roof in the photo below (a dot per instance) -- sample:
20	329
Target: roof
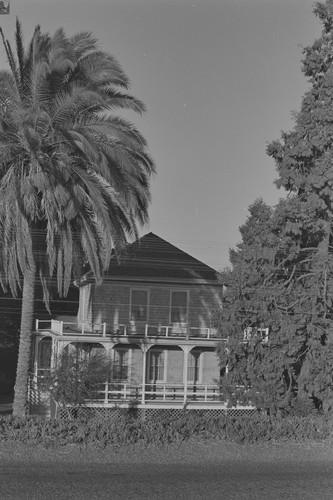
150	258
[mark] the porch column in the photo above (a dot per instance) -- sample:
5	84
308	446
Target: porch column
35	353
144	367
54	353
60	348
108	346
145	350
186	349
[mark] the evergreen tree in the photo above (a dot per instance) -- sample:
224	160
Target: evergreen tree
284	270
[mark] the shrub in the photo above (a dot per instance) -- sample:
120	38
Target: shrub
126	429
78	374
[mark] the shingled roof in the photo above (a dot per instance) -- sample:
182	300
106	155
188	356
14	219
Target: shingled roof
151	257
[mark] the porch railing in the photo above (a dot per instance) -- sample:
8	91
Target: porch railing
113	391
65	327
147	331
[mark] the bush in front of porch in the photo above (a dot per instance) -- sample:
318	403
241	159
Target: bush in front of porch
127	429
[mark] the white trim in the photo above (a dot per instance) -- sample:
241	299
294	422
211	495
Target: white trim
172	281
83	309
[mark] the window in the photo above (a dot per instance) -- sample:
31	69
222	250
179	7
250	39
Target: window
260	333
156	366
178	307
139	305
193	367
121	364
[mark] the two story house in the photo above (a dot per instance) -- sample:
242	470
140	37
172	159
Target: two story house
155	316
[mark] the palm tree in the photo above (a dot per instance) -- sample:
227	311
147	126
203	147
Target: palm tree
74	177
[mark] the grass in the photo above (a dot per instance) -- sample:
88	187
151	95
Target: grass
191	452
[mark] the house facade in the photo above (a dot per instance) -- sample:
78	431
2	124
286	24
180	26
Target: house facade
154	316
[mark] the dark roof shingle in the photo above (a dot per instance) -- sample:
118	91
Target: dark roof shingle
152	257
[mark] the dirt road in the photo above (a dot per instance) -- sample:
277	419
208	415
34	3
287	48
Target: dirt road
193	471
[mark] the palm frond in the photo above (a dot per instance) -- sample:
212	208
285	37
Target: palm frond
74	179
100	68
20	52
83	43
11	60
118	100
66	107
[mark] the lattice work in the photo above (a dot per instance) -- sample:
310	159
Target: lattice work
175	413
239	412
112	414
34	396
102	413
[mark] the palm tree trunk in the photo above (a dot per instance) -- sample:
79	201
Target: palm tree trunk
23	362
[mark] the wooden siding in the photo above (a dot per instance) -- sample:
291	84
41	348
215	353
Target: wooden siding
110	303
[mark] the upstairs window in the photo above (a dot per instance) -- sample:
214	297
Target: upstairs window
179	307
139	305
256	333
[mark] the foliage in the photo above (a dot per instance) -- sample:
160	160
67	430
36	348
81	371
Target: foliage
282	271
125	429
77	374
74	176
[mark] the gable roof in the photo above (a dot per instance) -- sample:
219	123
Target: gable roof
150	258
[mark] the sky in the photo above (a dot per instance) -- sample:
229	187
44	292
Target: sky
220	79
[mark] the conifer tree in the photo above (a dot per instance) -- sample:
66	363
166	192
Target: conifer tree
284	275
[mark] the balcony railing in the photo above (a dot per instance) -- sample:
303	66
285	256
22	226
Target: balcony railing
131	330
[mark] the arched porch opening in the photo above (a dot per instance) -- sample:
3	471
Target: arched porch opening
164	373
83	351
126	360
43	359
203	373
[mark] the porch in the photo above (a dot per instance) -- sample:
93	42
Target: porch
105	330
158	368
150	400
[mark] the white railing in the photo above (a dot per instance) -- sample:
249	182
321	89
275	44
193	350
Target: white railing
69	328
148	331
43	324
180	331
122	391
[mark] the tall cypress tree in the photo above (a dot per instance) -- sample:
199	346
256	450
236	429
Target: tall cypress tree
293	291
